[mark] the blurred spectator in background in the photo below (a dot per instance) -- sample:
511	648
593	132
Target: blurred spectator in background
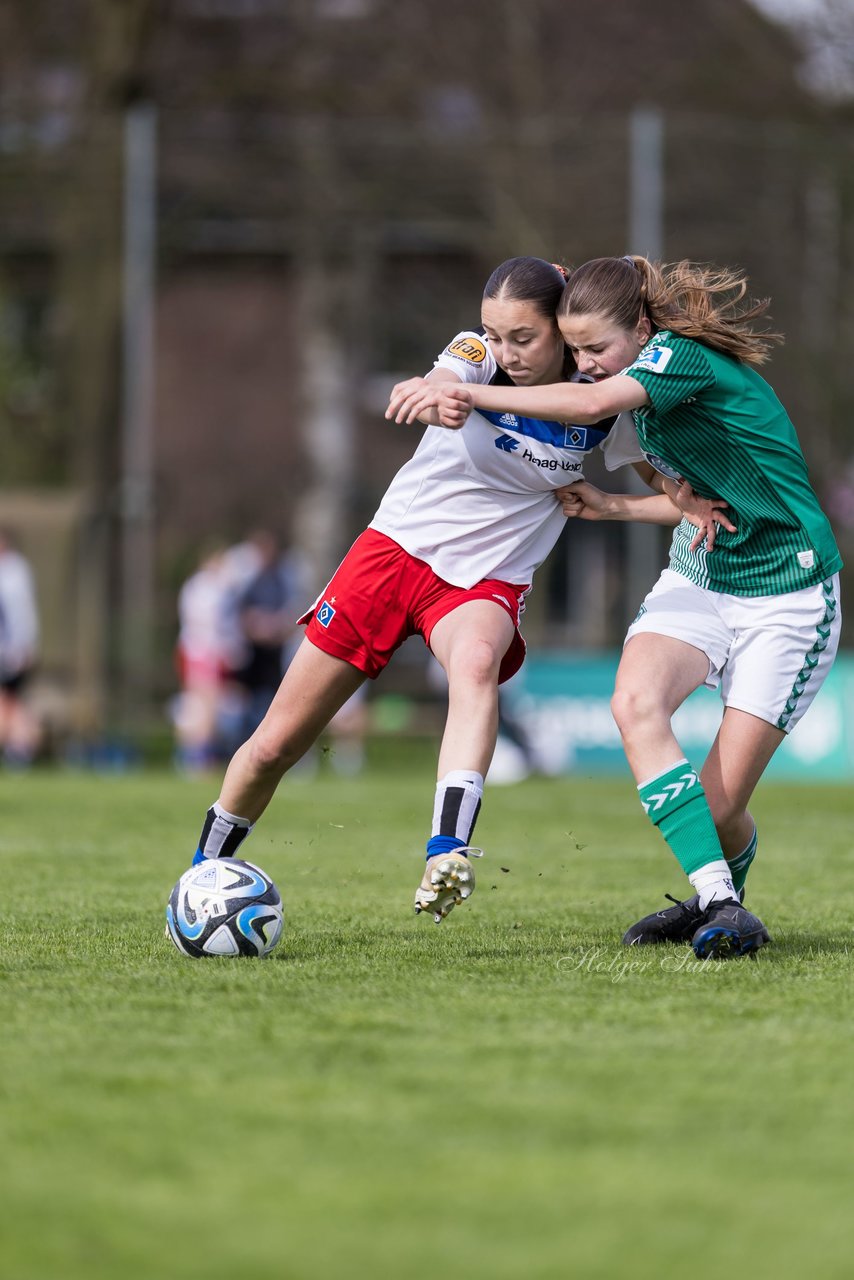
19	636
210	650
268	605
237	631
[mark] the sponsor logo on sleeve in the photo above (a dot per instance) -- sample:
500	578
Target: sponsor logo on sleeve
654	359
662	467
471	349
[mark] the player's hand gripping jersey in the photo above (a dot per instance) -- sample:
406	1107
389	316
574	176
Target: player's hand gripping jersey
479	502
718	424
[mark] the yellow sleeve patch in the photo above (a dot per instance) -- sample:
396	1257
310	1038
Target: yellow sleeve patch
468	349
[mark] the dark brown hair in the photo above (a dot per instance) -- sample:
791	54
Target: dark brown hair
528	280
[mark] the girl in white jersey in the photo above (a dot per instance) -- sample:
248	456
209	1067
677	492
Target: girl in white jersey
449	555
754	609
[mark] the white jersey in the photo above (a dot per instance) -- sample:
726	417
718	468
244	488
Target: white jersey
19	620
479	502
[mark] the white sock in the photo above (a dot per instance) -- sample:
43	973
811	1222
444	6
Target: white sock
457	804
223	832
713	882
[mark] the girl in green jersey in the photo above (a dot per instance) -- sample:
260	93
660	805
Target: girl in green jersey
750	605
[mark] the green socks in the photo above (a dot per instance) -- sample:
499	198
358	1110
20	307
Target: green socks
675	802
740	864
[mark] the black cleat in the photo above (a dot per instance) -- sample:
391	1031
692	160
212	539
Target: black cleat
678	923
728	929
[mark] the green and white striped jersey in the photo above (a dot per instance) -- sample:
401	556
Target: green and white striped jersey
718	424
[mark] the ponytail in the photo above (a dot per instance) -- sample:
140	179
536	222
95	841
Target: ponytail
708	304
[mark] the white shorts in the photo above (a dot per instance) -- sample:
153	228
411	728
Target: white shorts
768	654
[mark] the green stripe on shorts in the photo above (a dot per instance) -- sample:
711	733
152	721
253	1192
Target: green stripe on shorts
811	658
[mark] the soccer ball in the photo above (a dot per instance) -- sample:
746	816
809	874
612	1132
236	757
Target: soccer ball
224	907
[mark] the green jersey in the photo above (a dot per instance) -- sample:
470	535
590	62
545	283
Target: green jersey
718	424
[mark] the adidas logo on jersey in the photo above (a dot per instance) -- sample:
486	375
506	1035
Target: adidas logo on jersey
509	420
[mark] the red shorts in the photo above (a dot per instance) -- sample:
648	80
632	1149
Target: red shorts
380	595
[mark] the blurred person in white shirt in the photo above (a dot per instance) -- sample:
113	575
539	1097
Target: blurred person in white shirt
19	638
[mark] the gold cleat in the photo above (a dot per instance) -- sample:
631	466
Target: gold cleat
448	880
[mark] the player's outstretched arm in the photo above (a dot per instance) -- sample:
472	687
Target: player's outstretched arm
584	501
577	402
418	398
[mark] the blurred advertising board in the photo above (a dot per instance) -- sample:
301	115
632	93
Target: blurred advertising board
562	704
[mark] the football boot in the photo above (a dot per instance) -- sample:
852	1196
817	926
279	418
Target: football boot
678	923
728	929
447	881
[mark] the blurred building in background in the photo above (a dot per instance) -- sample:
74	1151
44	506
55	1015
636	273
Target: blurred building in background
228	226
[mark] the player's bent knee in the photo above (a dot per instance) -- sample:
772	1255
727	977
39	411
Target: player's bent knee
633	706
477	664
272	755
482	675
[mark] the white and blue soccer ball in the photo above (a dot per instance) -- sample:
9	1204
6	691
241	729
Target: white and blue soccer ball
224	907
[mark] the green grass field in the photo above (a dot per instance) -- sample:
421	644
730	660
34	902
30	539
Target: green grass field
510	1094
